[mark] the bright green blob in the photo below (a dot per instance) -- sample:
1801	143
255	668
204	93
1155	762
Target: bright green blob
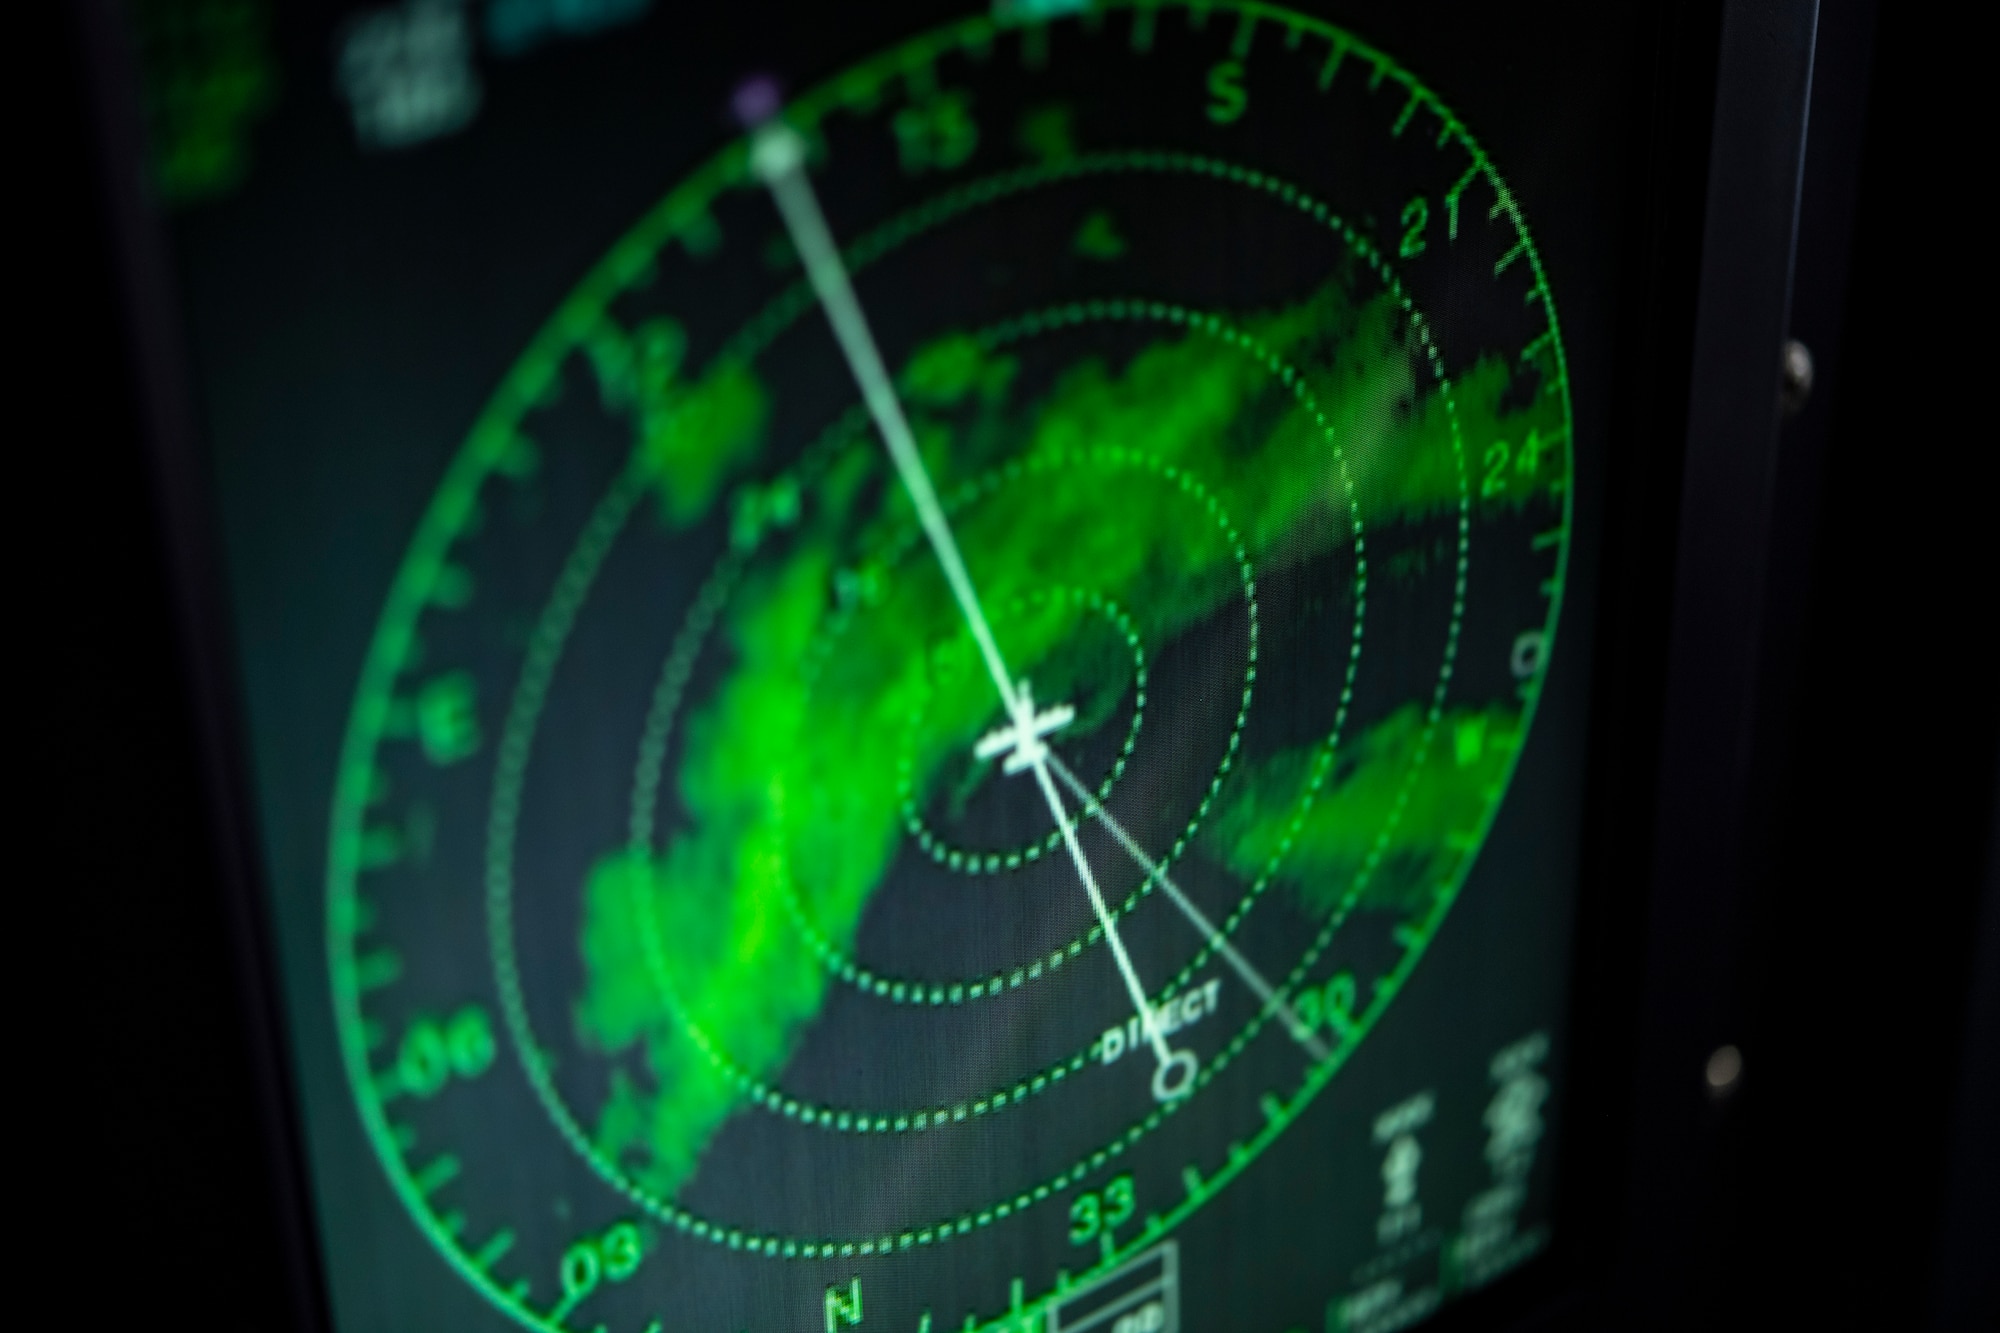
945	372
692	437
1098	237
1045	134
1119	479
697	438
208	75
1390	799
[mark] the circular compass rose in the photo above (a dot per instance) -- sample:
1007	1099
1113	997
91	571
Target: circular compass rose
953	681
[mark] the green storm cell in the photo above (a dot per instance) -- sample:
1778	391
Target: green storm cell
1424	796
794	770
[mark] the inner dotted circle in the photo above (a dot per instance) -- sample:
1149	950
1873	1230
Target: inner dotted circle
972	861
932	991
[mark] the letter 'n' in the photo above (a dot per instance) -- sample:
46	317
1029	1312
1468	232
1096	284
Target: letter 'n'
843	1309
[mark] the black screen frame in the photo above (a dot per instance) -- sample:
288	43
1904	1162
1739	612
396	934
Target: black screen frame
1711	280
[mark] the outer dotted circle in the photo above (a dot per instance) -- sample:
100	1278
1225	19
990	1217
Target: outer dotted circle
421	576
544	651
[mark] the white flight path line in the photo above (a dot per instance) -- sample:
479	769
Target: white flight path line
1138	992
1266	995
777	155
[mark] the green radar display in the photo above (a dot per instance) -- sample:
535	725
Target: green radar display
947	693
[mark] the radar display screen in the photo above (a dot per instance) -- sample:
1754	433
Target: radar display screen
910	668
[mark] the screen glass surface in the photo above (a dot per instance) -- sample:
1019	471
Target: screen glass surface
962	709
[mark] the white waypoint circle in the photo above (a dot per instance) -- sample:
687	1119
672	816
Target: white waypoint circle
1174	1079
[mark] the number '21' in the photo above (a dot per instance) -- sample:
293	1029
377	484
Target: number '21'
1416	215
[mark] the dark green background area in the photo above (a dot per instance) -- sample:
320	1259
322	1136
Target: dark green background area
351	313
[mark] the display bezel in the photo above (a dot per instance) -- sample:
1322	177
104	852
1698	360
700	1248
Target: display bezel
1626	964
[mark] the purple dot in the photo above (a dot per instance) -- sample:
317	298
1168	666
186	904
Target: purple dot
756	101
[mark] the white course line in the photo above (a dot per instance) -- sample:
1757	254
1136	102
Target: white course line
777	155
1252	978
